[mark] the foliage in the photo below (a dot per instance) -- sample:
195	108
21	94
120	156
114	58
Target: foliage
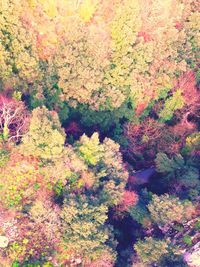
87	9
45	57
45	138
193	142
29	241
84	227
151	250
165	164
191	27
187	240
180	171
124	29
106	260
4	157
14	119
129	199
115	178
149	137
18	180
90	149
105	119
105	161
139	212
165	210
19	60
90	60
120	69
173	103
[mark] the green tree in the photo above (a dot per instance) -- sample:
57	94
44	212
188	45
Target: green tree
178	169
105	162
45	138
90	149
171	104
151	250
165	210
84	227
166	165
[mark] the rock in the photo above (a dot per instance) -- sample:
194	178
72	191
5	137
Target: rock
193	258
142	177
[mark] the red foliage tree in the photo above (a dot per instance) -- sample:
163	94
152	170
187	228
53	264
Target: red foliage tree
129	199
149	138
142	138
187	84
73	129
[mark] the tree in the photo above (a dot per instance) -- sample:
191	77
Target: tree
171	104
181	173
84	227
193	143
45	138
129	199
30	242
90	149
87	9
105	161
20	180
151	250
165	165
139	212
19	66
191	25
14	119
80	66
105	260
165	210
148	138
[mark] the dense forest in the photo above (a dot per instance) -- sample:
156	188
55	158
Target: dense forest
99	133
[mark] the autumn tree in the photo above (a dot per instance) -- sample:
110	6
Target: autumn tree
90	149
193	143
139	212
130	199
148	138
20	180
82	50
